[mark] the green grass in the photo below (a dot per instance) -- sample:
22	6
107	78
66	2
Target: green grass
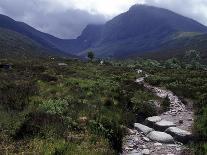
80	108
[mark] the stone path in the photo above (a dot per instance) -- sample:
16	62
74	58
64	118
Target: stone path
164	134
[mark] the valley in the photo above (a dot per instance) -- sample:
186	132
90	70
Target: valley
134	85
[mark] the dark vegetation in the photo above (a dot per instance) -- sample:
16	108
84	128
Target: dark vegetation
78	108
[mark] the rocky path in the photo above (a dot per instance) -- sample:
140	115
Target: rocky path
164	134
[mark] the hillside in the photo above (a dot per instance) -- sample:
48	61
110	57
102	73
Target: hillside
178	47
140	30
14	45
47	41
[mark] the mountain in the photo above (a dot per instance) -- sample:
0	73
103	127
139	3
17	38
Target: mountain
16	45
139	31
47	41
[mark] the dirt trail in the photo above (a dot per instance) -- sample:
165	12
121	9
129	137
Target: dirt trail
139	143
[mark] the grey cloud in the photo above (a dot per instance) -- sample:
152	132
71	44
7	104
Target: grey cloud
63	23
68	22
196	9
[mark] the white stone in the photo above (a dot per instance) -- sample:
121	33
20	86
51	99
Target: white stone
157	144
179	134
154	119
163	125
143	128
146	139
160	137
146	152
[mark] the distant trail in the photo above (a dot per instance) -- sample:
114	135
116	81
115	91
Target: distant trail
178	121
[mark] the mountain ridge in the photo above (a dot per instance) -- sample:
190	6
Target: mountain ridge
140	30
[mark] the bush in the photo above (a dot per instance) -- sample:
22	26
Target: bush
17	96
166	104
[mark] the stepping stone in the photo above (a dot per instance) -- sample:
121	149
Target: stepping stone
143	128
150	121
160	137
179	134
163	125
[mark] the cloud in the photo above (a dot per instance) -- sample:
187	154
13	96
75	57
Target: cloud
50	16
196	9
67	18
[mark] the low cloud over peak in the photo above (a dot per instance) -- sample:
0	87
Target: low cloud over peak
67	18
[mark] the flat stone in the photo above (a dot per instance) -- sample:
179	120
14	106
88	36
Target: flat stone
179	134
143	128
160	137
163	125
146	152
152	120
157	144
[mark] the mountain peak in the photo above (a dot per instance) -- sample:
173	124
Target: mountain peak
141	6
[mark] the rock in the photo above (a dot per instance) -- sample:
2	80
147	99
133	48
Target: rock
146	139
152	120
157	144
161	137
82	120
180	121
135	152
163	125
130	131
190	119
143	128
144	146
146	152
179	134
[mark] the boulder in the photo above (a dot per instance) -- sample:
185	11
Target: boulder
160	137
163	125
143	128
150	121
179	134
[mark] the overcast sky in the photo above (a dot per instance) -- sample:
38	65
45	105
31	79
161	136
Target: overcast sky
67	18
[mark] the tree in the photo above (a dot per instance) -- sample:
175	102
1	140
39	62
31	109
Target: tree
91	55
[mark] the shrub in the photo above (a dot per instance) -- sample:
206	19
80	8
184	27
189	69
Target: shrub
166	104
53	106
17	96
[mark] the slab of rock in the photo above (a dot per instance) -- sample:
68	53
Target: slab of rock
163	125
160	137
142	128
150	121
179	134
